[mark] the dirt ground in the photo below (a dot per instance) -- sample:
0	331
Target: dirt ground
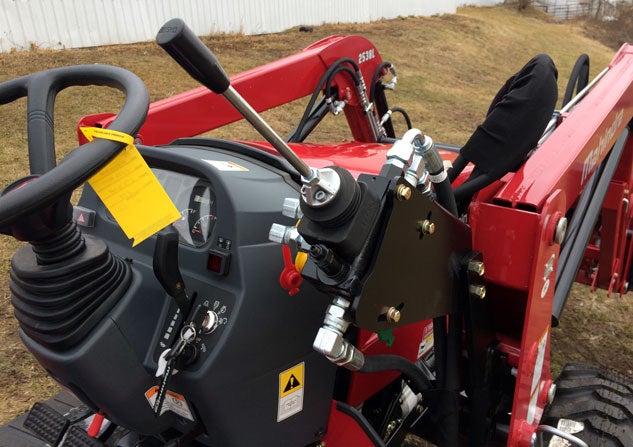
449	69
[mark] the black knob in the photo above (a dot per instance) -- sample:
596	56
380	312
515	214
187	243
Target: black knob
177	39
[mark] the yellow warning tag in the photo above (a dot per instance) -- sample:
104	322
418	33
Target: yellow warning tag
130	190
291	380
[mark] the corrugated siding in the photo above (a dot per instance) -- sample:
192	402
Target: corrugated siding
86	23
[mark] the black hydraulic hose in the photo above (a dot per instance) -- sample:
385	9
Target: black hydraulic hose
386	362
374	79
404	113
439	347
317	114
345	69
324	82
471	186
578	78
574	254
454	343
576	221
458	166
293	138
448	352
446	196
362	422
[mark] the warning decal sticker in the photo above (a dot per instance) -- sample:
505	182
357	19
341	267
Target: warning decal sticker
291	385
173	402
226	165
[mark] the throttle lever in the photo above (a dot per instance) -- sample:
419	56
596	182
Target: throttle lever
166	268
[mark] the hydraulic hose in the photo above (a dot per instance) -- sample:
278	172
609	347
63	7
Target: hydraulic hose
471	186
387	362
374	79
404	113
458	166
446	196
439	177
573	249
439	347
296	136
579	78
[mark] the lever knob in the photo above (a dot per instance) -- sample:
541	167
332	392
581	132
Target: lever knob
177	39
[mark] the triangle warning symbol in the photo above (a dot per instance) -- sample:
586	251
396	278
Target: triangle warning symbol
292	383
81	218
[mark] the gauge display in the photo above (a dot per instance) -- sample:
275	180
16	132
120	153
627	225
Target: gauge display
195	199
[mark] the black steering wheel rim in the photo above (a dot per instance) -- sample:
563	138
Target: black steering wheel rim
55	180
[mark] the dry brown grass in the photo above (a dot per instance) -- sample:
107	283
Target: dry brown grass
449	69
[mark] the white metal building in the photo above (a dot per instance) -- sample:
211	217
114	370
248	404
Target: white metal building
85	23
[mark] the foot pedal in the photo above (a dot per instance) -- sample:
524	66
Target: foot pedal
47	423
77	437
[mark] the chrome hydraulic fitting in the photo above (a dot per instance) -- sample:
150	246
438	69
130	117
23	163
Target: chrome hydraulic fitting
338	350
432	159
330	342
394	78
288	235
335	106
417	168
401	153
292	208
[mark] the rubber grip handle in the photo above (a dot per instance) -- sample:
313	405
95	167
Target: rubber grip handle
166	268
177	39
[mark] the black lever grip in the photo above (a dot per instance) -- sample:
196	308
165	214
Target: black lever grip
177	39
166	267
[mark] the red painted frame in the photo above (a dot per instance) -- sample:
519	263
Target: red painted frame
513	221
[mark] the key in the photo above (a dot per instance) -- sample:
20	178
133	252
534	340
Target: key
162	363
160	397
187	335
166	363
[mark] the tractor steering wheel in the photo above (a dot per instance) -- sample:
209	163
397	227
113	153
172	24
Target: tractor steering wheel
53	181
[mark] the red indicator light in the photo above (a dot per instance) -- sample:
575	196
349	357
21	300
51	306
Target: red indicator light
214	263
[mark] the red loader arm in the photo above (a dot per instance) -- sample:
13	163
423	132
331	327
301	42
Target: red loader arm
280	82
517	224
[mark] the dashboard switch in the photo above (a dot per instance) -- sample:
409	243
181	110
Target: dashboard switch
218	262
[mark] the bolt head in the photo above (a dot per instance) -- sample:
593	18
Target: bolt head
560	231
551	393
393	315
426	226
477	290
403	192
477	267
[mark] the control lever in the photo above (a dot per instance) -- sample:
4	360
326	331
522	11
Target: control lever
177	39
167	270
331	197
